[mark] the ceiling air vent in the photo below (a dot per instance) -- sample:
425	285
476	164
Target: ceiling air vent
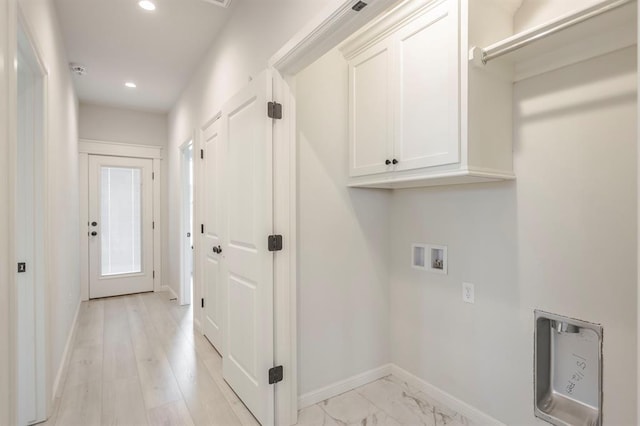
221	3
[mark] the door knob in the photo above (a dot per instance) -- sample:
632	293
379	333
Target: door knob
387	162
395	161
94	223
217	249
94	233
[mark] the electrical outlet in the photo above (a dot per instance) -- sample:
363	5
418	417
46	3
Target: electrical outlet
468	293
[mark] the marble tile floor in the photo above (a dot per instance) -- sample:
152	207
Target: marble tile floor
136	361
385	402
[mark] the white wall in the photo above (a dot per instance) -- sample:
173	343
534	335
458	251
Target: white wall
62	178
106	123
343	240
561	238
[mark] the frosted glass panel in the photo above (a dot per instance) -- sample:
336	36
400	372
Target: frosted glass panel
121	220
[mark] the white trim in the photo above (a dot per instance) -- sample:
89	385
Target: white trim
157	219
66	355
186	279
284	268
472	413
83	176
448	400
42	291
323	33
118	149
170	290
343	386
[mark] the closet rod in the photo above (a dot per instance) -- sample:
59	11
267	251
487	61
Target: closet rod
547	30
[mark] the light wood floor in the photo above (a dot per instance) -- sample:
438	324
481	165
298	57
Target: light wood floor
136	360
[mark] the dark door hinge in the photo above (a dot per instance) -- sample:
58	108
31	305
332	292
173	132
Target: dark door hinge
202	228
154	274
22	267
153	225
153	175
276	374
359	6
275	242
202	302
274	110
202	153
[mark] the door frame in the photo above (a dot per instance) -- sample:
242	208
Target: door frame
186	278
42	294
323	33
88	147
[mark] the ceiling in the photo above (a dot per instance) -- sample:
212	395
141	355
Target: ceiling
118	42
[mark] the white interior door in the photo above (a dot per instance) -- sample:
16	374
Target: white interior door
247	135
212	233
120	226
29	237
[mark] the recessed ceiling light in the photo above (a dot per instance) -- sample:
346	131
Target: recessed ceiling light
147	5
130	85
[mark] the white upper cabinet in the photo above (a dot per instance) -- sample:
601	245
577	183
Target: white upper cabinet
371	110
411	96
426	91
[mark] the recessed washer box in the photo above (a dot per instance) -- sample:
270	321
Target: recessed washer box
568	370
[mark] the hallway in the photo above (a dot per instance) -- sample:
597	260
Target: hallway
136	360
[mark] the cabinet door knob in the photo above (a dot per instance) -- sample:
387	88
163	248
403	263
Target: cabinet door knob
94	233
387	162
395	161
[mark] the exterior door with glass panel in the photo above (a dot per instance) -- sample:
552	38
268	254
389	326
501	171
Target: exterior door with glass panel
120	226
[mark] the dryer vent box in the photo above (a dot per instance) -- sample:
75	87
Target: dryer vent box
568	370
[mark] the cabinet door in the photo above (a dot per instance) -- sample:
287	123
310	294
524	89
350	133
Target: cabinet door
370	111
427	93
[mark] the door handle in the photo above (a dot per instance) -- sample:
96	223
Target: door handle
395	161
217	249
94	233
94	223
387	162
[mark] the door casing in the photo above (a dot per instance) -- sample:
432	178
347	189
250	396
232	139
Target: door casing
30	302
88	147
186	223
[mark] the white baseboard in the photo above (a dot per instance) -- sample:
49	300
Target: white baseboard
170	290
470	412
197	325
66	355
343	386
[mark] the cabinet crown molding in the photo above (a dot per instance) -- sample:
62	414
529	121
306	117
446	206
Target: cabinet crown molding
386	24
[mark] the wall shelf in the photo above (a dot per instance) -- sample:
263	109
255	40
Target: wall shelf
578	36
